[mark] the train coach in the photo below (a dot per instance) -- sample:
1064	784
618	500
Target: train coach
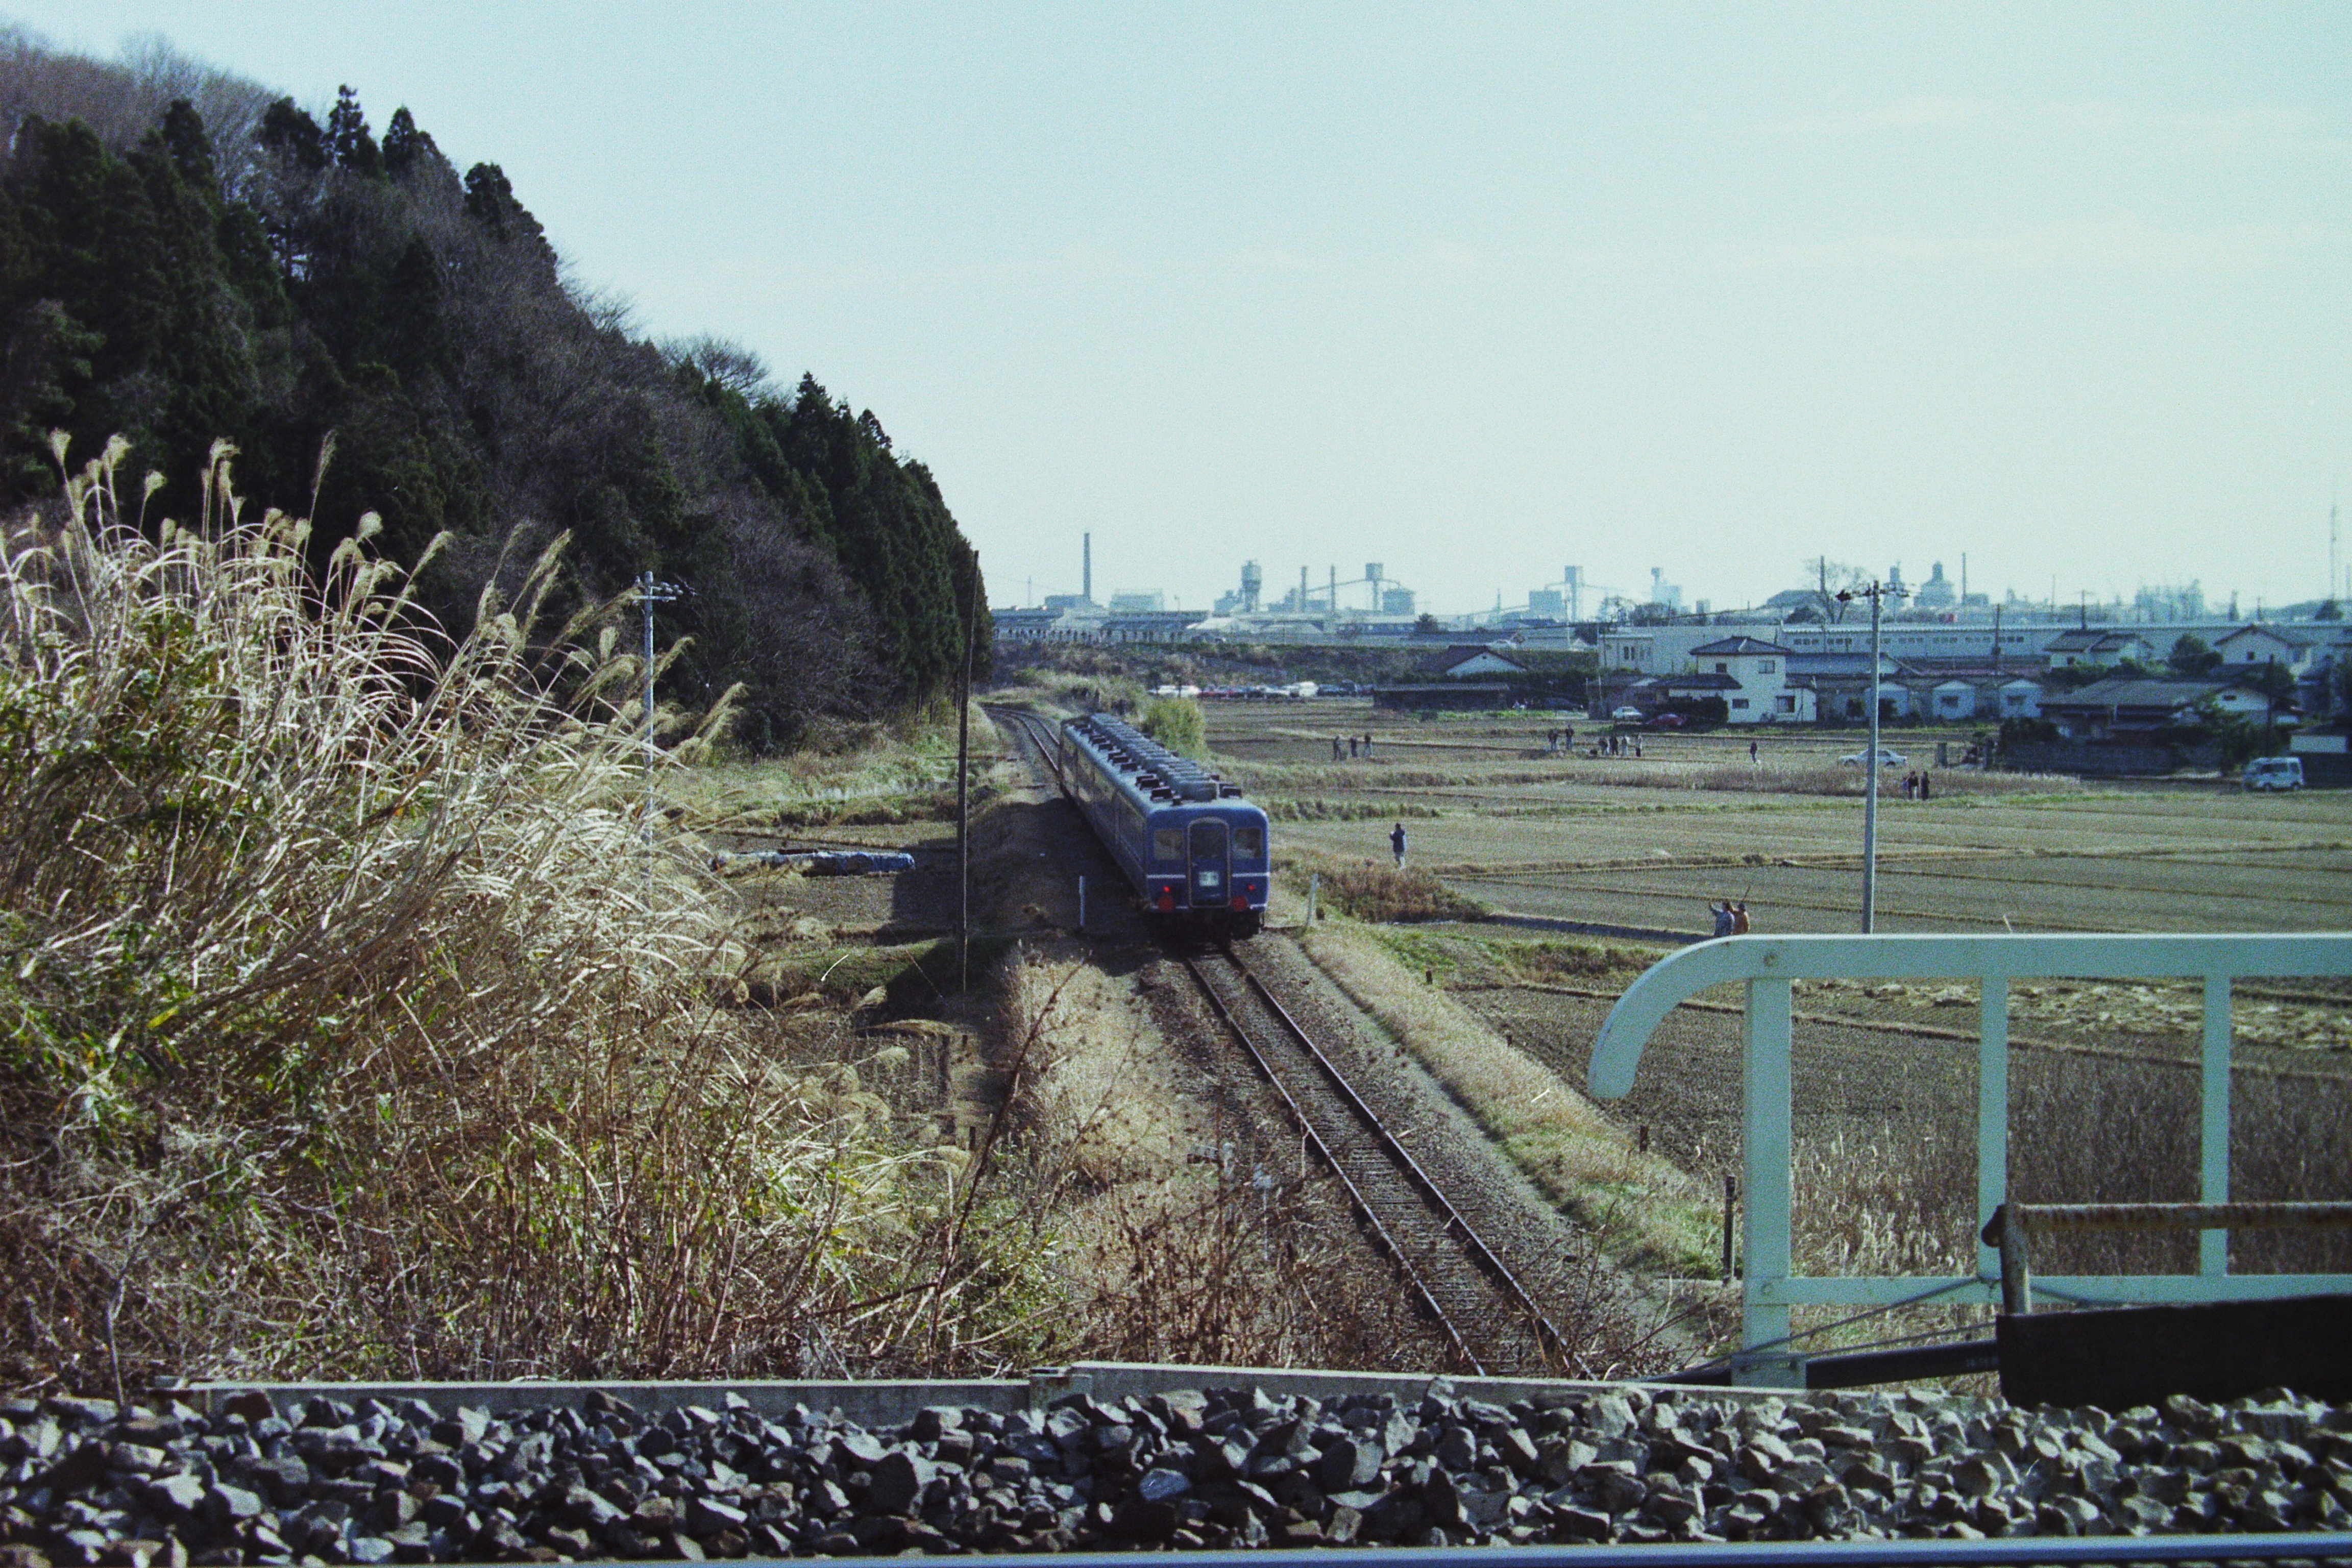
1190	847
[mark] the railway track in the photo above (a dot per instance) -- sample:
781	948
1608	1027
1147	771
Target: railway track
1038	731
1493	1322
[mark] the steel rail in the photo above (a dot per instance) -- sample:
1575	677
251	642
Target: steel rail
2285	1546
1388	1243
1040	731
1553	1340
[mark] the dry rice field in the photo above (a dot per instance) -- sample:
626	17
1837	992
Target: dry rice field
1649	843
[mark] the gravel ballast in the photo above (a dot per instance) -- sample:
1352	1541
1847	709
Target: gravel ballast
83	1482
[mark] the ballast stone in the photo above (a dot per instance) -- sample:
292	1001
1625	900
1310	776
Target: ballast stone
369	1481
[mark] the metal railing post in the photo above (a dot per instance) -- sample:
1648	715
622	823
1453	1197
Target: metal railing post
1765	1150
2213	1132
1767	965
1992	1112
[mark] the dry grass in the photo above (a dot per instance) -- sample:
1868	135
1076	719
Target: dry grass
1168	1235
1899	1197
350	1026
1319	808
1368	890
1646	1212
1823	779
893	774
1078	692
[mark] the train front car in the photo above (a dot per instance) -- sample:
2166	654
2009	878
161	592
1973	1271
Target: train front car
1194	851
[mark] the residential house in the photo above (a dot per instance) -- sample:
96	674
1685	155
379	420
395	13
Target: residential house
1751	675
2098	645
1839	684
2296	647
2129	709
1467	659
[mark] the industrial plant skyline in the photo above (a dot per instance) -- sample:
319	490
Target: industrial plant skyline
1373	588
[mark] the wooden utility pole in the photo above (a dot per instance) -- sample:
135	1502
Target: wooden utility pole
963	810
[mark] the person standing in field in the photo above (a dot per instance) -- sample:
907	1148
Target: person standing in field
1368	742
1335	748
1926	789
1723	921
1740	917
1396	844
1751	751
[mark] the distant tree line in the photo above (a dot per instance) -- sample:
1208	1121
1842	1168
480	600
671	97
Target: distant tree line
183	257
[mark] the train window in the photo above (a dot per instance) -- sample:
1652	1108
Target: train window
1249	841
1168	843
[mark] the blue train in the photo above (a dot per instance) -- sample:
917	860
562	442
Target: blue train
1193	848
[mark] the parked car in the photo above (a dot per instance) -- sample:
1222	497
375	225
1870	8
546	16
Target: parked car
2272	774
1629	715
1886	758
1669	721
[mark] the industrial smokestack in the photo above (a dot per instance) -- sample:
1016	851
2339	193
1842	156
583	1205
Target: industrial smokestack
1086	571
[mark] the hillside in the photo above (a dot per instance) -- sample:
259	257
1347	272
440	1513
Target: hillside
186	257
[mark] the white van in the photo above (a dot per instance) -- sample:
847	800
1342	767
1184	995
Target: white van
2272	773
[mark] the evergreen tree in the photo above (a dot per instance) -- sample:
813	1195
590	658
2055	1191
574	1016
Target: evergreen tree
337	286
289	131
405	146
347	138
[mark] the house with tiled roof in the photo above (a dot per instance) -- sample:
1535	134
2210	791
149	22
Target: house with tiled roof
2098	644
2128	708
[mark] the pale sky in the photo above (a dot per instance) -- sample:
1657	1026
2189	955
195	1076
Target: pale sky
1475	292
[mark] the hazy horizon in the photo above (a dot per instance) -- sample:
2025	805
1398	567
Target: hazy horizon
1475	295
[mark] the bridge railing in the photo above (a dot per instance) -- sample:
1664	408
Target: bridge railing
1767	966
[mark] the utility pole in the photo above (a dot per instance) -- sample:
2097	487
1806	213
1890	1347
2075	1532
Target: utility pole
964	793
1877	593
652	592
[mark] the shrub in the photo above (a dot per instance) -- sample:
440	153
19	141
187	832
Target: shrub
1371	891
1175	722
349	1022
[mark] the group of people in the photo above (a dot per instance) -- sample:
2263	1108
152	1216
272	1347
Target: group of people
1560	740
1915	786
1731	917
1351	742
1619	746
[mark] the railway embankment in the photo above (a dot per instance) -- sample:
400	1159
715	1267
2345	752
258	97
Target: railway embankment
241	1476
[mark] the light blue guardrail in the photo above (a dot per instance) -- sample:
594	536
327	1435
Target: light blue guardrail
1767	965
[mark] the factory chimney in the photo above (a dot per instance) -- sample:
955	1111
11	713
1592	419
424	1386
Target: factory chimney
1302	590
1086	578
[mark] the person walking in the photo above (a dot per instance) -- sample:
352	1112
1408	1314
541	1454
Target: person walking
1396	844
